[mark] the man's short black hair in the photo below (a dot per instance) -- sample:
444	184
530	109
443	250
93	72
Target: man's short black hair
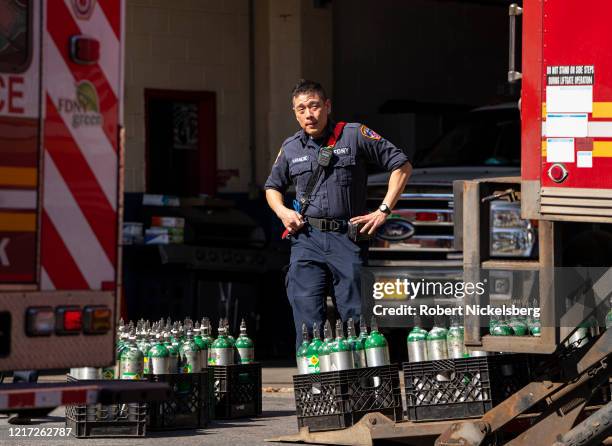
305	86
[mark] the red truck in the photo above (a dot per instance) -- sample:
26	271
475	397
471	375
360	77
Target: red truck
61	81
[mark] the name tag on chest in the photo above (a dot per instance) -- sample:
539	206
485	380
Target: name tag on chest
342	151
301	159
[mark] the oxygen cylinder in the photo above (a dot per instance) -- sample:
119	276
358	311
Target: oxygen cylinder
363	331
300	356
312	354
207	339
455	341
245	346
500	328
222	350
341	356
159	357
436	344
132	360
417	345
376	347
535	328
518	326
197	338
357	349
190	355
325	350
144	346
173	354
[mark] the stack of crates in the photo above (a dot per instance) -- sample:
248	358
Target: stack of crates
188	407
336	400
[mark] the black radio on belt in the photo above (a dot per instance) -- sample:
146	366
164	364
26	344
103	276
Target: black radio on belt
355	234
325	156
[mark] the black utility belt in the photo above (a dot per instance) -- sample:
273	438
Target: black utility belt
328	224
334	225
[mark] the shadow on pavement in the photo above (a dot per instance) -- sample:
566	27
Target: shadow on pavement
177	433
277	413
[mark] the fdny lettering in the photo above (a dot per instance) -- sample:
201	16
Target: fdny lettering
301	159
4	260
369	133
342	151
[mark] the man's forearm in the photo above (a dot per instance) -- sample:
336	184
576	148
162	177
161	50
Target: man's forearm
275	201
397	182
292	221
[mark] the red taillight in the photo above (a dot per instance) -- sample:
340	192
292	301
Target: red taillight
557	173
84	50
426	216
68	320
72	321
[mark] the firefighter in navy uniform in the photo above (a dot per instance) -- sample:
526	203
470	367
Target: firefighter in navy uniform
322	254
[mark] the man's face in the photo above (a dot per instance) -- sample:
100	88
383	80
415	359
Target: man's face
311	112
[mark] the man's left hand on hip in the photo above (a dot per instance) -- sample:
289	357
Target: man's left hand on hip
371	222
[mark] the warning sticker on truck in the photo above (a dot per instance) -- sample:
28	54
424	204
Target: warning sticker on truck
570	75
569	89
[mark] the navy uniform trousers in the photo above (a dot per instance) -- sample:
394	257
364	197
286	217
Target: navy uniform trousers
322	262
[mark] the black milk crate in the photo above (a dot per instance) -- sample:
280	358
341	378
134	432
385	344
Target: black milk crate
462	388
112	420
188	405
336	400
106	420
237	390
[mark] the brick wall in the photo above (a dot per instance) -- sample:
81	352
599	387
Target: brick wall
189	45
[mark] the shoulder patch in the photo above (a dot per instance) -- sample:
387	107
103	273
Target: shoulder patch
369	133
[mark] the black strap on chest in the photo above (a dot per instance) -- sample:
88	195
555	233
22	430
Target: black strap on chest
322	162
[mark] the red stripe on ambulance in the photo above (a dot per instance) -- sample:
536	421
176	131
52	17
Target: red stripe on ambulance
57	261
81	181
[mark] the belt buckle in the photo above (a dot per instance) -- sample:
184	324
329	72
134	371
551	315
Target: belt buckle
335	225
323	224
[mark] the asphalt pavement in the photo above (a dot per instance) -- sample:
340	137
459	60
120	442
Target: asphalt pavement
278	418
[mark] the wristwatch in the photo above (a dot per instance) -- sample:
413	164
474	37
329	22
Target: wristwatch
384	209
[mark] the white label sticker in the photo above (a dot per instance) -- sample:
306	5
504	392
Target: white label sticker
576	125
569	99
584	158
560	150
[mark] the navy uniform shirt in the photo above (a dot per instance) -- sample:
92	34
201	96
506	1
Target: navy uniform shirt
341	193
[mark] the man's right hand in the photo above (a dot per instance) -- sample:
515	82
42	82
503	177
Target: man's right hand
292	220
